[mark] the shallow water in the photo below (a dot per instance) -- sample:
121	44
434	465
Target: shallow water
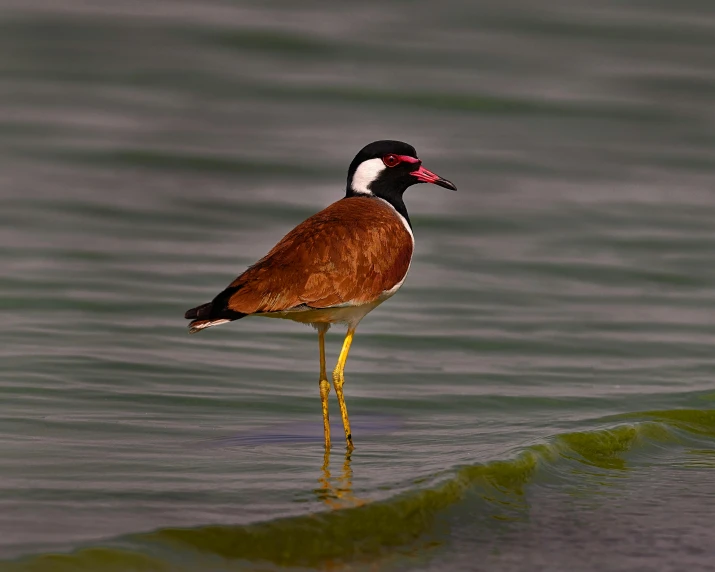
539	395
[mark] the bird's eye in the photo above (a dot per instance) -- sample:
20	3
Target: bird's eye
391	160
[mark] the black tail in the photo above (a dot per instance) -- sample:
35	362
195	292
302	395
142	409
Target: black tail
210	314
200	312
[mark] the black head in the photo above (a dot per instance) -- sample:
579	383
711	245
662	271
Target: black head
386	169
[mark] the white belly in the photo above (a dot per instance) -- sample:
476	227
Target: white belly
350	315
345	314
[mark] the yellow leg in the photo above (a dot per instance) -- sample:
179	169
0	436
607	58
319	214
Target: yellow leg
339	380
324	385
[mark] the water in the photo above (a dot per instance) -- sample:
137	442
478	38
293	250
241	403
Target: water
539	395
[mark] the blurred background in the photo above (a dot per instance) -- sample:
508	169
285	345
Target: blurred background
539	395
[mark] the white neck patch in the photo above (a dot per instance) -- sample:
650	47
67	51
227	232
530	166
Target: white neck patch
365	174
403	219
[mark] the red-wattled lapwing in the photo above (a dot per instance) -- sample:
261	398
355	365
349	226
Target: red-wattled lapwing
336	266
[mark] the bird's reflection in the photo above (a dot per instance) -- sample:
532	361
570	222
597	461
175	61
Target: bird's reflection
337	491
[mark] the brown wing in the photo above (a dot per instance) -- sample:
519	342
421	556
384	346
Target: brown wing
351	252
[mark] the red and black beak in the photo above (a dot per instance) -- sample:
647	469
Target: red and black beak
425	176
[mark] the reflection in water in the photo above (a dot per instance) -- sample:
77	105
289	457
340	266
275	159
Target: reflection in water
337	492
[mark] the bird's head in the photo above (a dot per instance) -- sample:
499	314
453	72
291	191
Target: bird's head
386	169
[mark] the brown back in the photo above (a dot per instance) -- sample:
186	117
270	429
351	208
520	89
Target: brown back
351	251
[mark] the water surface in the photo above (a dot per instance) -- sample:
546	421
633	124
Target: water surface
539	395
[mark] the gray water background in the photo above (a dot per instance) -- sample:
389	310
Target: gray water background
150	152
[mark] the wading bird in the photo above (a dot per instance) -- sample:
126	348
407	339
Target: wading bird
336	266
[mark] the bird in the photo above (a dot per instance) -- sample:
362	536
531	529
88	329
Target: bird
336	266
